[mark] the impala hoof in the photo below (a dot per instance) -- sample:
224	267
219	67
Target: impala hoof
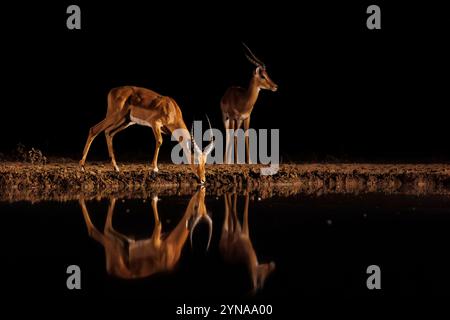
116	168
155	169
82	168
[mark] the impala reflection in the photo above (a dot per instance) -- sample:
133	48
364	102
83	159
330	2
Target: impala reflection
236	246
129	258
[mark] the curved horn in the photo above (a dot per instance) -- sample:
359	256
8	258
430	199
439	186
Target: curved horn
193	143
253	59
192	227
210	146
210	226
210	129
210	229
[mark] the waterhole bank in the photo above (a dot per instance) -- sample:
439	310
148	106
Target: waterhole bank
64	181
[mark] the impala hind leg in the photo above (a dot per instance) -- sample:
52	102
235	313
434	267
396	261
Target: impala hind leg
93	133
158	138
108	223
109	134
92	230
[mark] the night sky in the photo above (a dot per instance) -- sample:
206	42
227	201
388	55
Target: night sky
345	92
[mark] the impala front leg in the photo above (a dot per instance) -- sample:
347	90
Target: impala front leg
237	125
158	137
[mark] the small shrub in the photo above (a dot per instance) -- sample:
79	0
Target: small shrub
33	156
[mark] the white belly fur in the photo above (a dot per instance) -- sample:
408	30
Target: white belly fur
140	121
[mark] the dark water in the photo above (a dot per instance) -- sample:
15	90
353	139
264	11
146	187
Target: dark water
305	246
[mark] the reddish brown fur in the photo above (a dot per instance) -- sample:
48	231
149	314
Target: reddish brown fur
128	258
147	107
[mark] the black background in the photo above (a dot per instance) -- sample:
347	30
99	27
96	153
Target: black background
345	92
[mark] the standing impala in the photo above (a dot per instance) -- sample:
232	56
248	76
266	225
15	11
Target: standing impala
129	258
133	105
237	105
236	246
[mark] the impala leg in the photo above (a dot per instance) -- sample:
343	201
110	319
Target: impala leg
237	225
109	141
109	134
108	223
158	137
93	132
234	137
237	125
245	229
247	141
225	225
92	230
227	124
156	235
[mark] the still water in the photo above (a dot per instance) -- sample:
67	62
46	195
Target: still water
232	246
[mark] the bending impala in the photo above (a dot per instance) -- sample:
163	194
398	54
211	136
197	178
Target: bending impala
236	246
133	105
237	105
129	258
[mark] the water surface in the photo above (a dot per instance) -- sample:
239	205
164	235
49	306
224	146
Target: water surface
271	249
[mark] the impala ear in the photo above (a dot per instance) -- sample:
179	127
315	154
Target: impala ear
257	70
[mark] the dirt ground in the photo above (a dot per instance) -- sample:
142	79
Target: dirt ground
63	180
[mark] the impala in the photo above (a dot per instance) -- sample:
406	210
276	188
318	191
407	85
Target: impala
129	258
236	246
134	105
237	105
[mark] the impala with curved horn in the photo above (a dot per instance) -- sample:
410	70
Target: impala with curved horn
134	105
129	258
237	105
202	156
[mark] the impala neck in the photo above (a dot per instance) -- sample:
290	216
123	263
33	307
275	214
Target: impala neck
252	93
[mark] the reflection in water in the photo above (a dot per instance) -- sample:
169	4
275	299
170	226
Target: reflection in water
236	246
128	258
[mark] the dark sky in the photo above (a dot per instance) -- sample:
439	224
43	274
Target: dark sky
344	91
